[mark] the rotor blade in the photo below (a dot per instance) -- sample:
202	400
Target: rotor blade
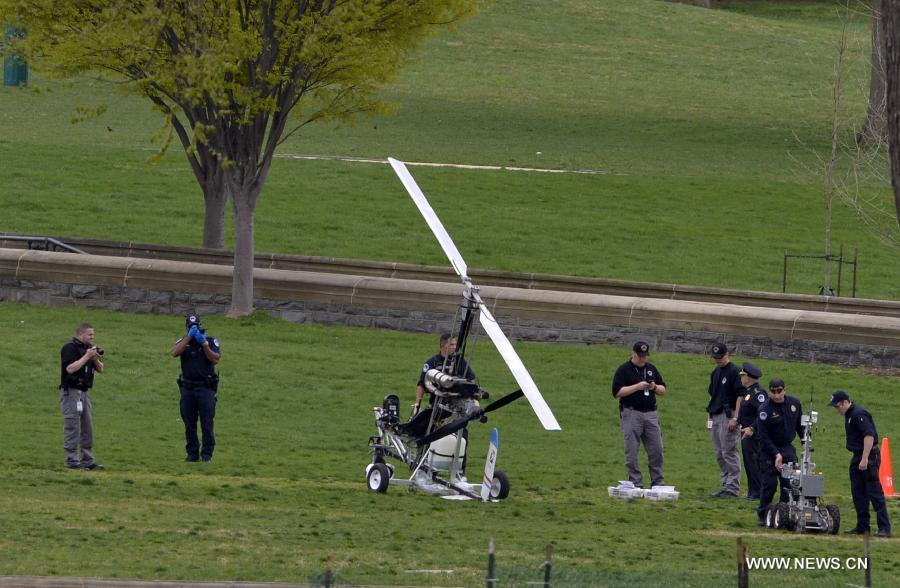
434	223
447	429
511	397
523	378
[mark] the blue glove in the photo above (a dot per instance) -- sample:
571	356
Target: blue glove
200	337
192	332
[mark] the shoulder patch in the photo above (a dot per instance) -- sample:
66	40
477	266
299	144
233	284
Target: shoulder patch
761	398
724	380
216	342
793	408
763	416
650	373
425	368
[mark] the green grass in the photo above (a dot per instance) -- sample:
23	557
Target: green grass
286	487
703	121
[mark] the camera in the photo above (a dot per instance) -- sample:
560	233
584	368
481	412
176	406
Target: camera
98	349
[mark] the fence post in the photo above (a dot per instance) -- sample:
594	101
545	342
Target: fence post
492	560
784	274
868	581
743	573
329	573
548	566
840	267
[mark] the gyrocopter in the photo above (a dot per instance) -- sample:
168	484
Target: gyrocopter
432	444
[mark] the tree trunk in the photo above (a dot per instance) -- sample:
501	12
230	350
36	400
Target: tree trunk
873	131
242	285
214	218
890	30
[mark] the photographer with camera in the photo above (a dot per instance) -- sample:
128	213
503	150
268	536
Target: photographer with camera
80	358
198	383
636	384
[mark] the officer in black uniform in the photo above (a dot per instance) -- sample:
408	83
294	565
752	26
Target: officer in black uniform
79	360
636	384
440	361
862	441
198	382
724	391
753	398
777	423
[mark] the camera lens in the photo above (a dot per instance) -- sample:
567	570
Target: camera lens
99	351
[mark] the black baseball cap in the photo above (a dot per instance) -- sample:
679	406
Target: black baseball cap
776	383
192	319
718	350
838	397
641	348
750	369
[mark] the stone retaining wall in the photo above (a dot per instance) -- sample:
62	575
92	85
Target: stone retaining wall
173	287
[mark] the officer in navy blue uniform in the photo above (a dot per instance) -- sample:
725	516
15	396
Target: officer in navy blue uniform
636	384
437	362
753	398
724	392
199	383
862	441
777	423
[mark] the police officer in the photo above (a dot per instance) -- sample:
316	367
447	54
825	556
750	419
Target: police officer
636	384
198	382
441	361
80	359
777	423
862	441
753	398
724	393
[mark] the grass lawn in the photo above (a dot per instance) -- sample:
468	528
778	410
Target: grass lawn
286	487
701	121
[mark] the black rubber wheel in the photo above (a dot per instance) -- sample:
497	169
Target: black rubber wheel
378	478
835	513
783	517
500	485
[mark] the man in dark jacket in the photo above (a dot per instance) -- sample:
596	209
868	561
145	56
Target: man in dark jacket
777	423
862	442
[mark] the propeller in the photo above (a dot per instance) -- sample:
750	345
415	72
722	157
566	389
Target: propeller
519	372
458	424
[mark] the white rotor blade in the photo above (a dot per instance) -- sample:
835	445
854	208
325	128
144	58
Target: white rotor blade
434	223
523	378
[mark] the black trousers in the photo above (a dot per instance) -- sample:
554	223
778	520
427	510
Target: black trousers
198	403
750	452
770	477
865	488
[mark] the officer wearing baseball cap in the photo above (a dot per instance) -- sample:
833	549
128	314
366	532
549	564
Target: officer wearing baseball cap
636	384
724	393
776	426
199	353
865	487
753	397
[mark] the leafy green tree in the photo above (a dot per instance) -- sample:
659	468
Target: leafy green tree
233	78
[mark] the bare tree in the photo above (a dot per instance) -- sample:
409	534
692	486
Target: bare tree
874	131
890	31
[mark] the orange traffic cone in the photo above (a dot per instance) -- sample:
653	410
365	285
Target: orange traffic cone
884	472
